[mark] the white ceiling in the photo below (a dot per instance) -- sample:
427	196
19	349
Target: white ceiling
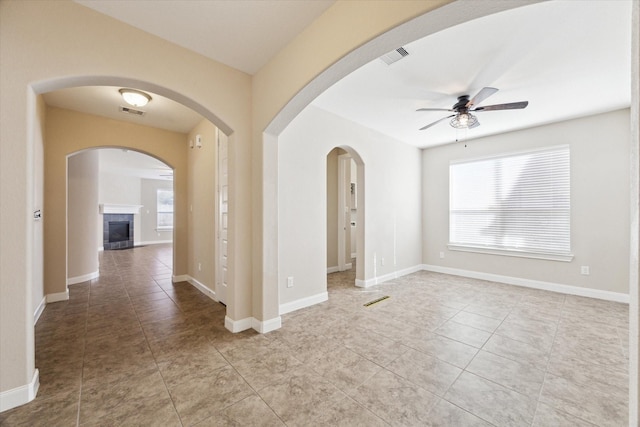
567	58
132	163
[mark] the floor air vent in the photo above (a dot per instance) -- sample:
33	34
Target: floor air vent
128	110
375	301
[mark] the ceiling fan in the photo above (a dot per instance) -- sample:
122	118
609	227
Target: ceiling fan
463	119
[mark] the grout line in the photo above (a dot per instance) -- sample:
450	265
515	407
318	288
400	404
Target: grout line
84	351
546	369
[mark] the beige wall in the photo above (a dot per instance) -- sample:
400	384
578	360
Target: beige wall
69	132
599	203
201	199
37	172
82	209
49	45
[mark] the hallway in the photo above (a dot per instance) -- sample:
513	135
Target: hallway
131	348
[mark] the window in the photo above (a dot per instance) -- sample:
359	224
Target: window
165	209
517	204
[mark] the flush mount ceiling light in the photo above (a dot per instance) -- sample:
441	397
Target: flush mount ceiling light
135	97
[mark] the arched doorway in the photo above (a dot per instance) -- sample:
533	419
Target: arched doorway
345	212
134	195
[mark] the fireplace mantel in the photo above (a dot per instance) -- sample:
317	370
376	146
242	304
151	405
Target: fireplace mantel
110	208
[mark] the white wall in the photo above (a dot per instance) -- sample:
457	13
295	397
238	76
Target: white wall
149	211
600	150
392	212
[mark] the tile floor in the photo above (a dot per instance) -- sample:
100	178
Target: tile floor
131	348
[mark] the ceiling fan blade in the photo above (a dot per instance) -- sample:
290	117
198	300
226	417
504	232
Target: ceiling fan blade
484	93
510	106
434	109
436	122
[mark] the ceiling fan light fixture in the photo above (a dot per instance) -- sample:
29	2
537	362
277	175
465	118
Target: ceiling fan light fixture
135	97
464	121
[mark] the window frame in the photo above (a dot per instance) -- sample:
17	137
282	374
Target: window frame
159	212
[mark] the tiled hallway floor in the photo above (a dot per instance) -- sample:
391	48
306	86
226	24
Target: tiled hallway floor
131	348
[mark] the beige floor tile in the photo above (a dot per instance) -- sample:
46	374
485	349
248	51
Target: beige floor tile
147	351
343	368
491	401
251	411
603	407
298	394
201	394
395	399
464	334
477	321
549	416
520	376
58	410
267	369
446	414
427	371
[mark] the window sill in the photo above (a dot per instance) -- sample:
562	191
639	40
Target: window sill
511	252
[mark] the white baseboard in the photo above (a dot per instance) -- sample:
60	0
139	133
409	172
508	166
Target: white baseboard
303	302
237	325
83	278
153	242
389	276
202	288
535	284
180	278
20	395
39	309
59	296
263	326
336	269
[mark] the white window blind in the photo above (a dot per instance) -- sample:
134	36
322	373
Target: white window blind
164	209
518	202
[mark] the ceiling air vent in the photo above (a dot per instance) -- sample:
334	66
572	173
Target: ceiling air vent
131	111
394	55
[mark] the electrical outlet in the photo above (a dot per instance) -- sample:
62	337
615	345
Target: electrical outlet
199	266
290	282
584	270
382	261
441	255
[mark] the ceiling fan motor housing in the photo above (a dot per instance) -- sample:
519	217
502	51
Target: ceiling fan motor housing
461	105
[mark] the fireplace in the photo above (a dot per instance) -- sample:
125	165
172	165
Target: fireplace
117	231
